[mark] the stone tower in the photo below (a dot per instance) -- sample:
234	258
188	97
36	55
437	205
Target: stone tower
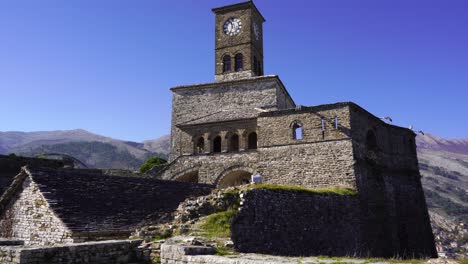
239	42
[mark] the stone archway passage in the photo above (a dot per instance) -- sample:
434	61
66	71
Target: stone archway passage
188	177
235	178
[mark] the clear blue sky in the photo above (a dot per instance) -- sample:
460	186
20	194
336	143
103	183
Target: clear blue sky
106	66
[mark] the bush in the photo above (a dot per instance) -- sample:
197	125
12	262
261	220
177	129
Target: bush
150	163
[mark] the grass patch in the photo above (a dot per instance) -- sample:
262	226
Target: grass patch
219	224
462	261
163	235
224	251
343	260
333	190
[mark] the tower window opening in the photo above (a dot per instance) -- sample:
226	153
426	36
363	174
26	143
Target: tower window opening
217	144
239	62
226	63
234	143
200	145
252	141
297	130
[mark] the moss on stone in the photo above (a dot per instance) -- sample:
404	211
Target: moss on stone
333	190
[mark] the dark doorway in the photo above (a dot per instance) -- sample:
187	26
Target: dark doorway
217	144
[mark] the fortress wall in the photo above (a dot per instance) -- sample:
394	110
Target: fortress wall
297	224
277	128
316	165
324	164
395	218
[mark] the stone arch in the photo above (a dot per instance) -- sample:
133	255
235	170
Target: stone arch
200	145
190	175
234	176
252	140
234	143
217	144
296	130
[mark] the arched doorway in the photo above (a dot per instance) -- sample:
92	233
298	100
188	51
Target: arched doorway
234	178
217	144
191	176
252	141
234	143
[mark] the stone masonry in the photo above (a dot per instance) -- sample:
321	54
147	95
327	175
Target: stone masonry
244	124
31	219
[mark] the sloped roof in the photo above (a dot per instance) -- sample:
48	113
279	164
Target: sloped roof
91	202
10	166
224	115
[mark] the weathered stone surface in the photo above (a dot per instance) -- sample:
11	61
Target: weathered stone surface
113	251
50	206
298	223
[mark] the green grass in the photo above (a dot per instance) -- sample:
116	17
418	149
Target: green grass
462	261
333	190
342	260
224	251
219	224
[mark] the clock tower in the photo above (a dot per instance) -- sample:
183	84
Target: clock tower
238	42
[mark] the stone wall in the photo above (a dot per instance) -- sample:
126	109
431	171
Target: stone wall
297	223
28	217
198	101
395	219
315	165
92	252
276	128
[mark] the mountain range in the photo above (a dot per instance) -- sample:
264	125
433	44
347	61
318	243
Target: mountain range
94	150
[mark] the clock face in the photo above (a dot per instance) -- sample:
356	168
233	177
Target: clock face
232	26
256	31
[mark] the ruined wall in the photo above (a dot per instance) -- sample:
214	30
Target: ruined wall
315	165
118	252
193	102
29	217
297	223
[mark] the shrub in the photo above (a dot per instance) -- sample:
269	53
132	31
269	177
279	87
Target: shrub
150	163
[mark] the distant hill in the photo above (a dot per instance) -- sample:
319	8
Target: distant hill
94	150
444	166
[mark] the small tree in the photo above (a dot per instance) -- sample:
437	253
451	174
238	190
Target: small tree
150	163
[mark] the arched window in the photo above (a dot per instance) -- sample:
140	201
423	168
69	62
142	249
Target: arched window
234	143
217	144
200	145
297	130
255	64
252	140
239	62
371	141
226	63
260	70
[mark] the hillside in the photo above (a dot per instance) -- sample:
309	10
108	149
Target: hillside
444	166
95	151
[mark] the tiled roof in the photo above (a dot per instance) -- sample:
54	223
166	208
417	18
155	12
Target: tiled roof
91	202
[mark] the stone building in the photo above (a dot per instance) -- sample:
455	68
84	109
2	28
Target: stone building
48	206
246	123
